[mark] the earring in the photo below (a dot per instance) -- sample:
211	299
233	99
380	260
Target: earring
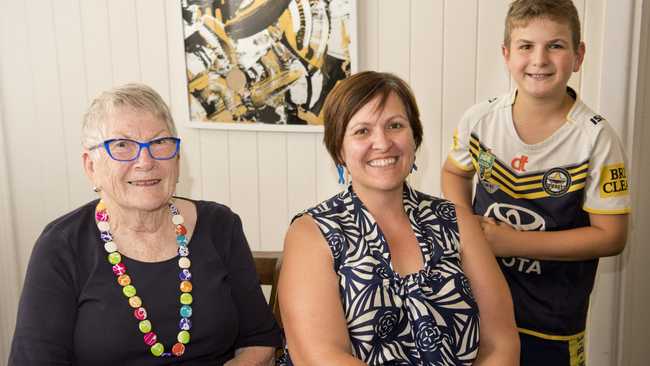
96	189
341	171
414	168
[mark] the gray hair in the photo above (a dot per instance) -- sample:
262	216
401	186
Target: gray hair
139	97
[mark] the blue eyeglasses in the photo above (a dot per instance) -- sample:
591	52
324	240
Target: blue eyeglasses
163	148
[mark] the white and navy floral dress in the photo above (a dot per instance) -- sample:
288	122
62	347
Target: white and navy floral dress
424	318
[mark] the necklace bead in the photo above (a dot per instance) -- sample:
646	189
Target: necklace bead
119	269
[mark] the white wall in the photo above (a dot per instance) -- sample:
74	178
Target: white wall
55	55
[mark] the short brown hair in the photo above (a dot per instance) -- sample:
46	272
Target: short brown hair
353	93
521	12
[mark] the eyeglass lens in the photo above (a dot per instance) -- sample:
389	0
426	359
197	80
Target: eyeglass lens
123	149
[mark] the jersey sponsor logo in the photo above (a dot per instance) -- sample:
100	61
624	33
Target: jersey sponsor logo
523	265
520	218
485	164
519	163
556	182
613	181
596	119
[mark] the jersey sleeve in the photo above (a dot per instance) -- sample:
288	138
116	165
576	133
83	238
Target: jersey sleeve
459	153
607	190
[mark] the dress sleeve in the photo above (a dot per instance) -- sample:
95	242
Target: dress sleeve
607	190
257	326
459	153
47	307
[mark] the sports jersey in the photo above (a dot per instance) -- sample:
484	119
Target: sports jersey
549	186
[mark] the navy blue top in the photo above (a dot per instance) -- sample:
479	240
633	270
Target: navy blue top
427	317
72	310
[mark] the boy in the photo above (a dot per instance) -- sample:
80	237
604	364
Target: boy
552	186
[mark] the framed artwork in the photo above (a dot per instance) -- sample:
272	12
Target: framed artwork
265	64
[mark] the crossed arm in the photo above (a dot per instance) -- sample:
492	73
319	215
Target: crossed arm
605	236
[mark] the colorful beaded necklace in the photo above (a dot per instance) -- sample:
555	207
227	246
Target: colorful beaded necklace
139	312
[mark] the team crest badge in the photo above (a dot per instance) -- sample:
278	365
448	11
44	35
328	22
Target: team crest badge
556	182
485	164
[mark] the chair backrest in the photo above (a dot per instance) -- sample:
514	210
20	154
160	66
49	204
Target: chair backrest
267	265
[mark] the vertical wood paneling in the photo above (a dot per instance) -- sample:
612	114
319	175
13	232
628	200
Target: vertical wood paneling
215	167
97	50
272	157
191	167
123	25
244	189
395	52
18	120
492	77
153	45
72	86
47	105
368	30
426	80
301	172
591	67
326	174
9	266
459	60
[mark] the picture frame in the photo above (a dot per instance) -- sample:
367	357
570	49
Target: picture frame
266	65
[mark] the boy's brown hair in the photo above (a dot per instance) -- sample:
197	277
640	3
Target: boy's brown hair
353	93
521	12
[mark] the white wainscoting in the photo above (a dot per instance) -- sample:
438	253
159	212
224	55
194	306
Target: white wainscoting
56	55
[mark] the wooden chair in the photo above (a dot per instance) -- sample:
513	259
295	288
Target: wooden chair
267	265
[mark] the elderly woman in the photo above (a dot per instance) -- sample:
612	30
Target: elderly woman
381	273
140	277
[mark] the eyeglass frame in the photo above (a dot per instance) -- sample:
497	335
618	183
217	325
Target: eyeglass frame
106	145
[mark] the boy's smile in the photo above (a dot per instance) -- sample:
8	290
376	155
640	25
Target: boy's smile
541	58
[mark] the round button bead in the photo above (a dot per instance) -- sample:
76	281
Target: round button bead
101	215
103	226
185	275
185	324
145	326
119	269
135	302
183	251
129	291
181	230
157	349
177	219
100	206
183	337
186	286
186	298
178	349
150	338
186	311
184	262
140	313
110	247
124	280
106	236
114	258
